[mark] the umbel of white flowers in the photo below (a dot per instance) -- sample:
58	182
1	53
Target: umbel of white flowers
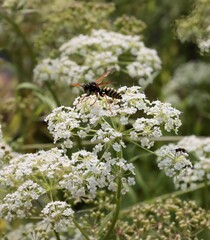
80	176
109	122
97	52
175	164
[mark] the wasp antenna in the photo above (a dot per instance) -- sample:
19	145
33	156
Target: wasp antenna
76	85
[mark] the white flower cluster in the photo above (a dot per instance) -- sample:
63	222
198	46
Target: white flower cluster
174	161
19	203
33	178
62	70
174	157
38	231
195	27
42	164
90	174
85	57
108	120
58	214
81	175
6	152
189	83
26	231
204	45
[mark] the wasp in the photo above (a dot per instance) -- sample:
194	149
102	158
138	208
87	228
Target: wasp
92	88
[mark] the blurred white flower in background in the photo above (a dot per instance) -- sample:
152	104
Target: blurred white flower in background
189	86
86	57
188	161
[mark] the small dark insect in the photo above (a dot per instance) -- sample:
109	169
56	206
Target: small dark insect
180	151
94	88
183	150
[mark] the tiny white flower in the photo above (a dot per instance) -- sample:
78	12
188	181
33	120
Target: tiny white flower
117	147
124	120
131	181
82	134
112	187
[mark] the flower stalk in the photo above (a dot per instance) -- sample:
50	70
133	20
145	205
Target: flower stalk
82	230
117	210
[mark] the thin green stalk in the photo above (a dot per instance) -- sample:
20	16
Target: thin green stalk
57	235
195	234
205	193
113	123
125	62
53	94
51	145
39	204
146	149
39	146
19	32
117	210
51	193
82	230
168	138
34	218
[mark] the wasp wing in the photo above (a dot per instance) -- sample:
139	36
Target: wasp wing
103	83
99	80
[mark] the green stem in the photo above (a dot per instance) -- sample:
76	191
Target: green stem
50	193
146	149
117	210
205	193
53	94
19	32
168	138
39	146
82	230
125	62
57	235
51	145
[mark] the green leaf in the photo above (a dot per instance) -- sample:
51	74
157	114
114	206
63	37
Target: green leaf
37	92
30	86
45	99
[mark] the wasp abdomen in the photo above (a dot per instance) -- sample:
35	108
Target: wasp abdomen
111	92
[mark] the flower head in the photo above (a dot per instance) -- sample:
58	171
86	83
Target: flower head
89	174
19	203
58	214
48	164
97	52
174	160
98	121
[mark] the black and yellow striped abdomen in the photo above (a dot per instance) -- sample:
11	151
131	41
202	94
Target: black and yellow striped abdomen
111	92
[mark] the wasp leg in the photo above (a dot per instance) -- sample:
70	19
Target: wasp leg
95	99
87	95
104	95
81	99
